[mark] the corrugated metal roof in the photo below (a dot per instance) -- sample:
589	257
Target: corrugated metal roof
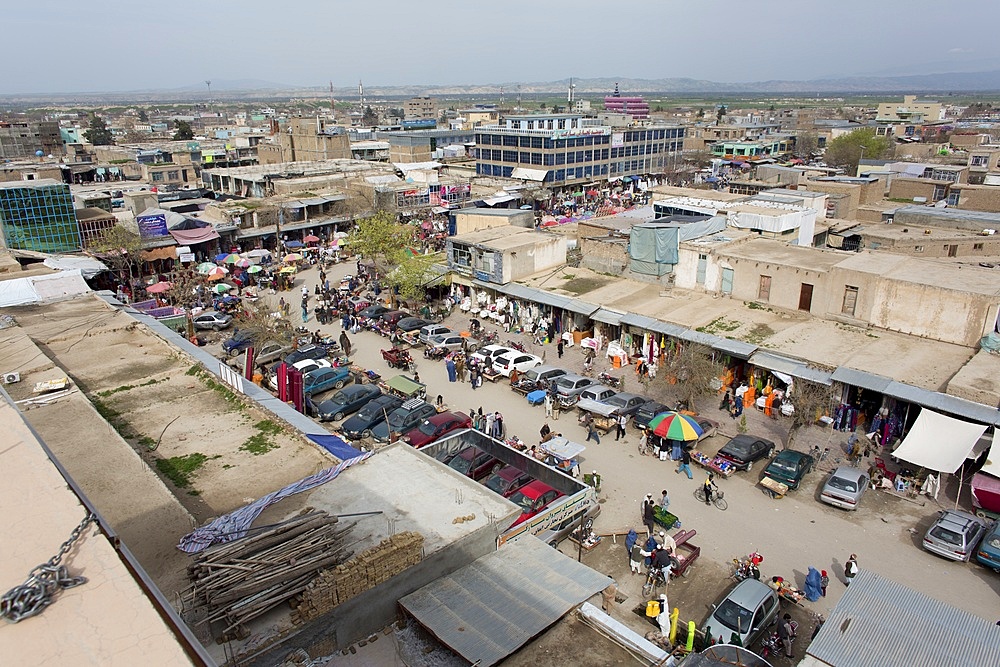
935	400
519	291
789	366
606	316
880	623
490	608
861	379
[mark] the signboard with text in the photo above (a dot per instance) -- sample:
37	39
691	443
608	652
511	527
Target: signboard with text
152	226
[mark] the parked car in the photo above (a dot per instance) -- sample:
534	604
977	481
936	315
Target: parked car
746	611
303	366
789	467
744	449
270	351
475	463
522	361
532	498
507	481
428	331
646	412
954	535
436	427
570	385
240	340
372	311
360	425
544	374
392	317
323	379
487	353
597	392
408	324
989	548
452	342
403	418
306	352
625	402
709	427
347	401
844	488
212	320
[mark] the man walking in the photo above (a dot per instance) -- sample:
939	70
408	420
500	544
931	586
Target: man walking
548	405
647	513
592	434
786	632
850	569
559	348
620	423
685	464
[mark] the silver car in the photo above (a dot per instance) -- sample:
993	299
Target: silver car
954	535
844	488
212	320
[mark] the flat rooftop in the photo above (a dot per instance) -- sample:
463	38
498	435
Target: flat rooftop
10	185
801	257
497	235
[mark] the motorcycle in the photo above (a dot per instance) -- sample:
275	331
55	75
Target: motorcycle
435	353
490	338
609	380
513	344
747	568
772	643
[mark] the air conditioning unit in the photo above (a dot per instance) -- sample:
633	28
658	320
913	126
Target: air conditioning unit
11	378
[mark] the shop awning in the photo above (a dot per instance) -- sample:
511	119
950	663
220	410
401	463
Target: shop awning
532	294
499	199
606	316
166	252
490	608
789	366
938	442
861	379
527	174
992	466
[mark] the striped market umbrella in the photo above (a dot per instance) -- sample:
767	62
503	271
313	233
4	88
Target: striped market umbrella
231	258
218	273
293	257
242	262
256	268
675	426
221	288
204	267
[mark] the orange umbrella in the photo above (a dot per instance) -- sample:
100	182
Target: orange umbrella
157	288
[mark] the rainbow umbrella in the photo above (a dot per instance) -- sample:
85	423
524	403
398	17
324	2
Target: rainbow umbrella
221	288
231	258
292	257
205	267
675	426
242	263
218	273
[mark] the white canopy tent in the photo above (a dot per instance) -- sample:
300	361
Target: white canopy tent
938	442
992	466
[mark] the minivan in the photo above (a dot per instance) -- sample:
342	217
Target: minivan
597	392
954	535
543	374
746	612
432	330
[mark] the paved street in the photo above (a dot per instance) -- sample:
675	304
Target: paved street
793	533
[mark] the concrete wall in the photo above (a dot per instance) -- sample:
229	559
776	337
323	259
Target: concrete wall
548	251
686	270
470	220
980	198
908	188
931	312
377	608
604	256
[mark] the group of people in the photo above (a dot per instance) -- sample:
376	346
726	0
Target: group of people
457	363
490	423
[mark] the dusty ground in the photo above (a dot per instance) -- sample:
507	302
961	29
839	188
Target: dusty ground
144	385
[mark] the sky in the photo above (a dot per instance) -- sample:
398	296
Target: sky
121	45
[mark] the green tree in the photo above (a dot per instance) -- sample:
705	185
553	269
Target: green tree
410	277
184	131
120	247
845	151
701	113
370	118
143	116
720	113
98	134
805	144
385	241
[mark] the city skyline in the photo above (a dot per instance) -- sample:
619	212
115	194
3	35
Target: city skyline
301	44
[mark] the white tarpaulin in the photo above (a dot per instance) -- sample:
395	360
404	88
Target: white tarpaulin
39	289
992	466
938	442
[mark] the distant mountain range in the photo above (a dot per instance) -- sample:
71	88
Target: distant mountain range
937	83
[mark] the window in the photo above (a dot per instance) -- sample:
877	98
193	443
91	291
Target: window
977	246
764	289
952	198
850	300
461	255
979	160
157	176
918	248
938	192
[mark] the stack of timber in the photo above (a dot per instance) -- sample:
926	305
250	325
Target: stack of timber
243	579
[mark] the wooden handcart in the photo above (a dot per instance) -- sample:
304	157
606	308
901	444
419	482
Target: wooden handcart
716	464
774	488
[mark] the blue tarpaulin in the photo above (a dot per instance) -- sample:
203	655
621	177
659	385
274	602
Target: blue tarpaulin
335	445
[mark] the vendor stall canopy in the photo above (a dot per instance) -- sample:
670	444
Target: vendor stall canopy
938	442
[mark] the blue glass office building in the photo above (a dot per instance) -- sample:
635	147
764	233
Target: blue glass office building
39	216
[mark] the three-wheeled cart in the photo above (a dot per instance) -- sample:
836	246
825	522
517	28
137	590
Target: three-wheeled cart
404	387
562	454
604	417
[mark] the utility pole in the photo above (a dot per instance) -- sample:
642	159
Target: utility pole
209	84
501	97
333	110
361	94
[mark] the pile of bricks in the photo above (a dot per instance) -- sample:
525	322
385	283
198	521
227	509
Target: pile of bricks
361	573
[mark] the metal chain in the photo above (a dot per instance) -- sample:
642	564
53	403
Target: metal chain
39	590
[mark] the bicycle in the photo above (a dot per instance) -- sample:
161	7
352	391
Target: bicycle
654	579
717	497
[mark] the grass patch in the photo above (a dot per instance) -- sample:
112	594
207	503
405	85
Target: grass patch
753	305
180	469
147	442
263	440
227	394
268	427
114	418
128	387
580	286
759	334
720	325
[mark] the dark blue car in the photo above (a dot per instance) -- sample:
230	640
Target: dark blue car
241	340
347	401
361	424
323	379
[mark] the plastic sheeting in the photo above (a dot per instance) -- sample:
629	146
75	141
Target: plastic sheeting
938	442
88	266
992	466
653	248
40	289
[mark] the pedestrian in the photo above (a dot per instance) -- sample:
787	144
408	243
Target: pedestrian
648	512
727	400
345	343
850	569
473	377
635	558
305	312
545	430
667	543
450	367
620	423
498	425
548	405
663	618
685	465
737	406
559	348
490	419
281	304
592	434
460	367
709	485
416	377
824	582
786	633
665	500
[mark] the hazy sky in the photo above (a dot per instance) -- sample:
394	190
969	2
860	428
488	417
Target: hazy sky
114	45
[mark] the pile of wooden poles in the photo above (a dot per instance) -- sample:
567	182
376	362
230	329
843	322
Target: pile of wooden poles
243	579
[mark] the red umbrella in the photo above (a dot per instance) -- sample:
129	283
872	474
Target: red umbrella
157	288
311	239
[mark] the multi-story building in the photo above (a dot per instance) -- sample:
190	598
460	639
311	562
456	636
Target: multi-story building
38	215
420	107
912	110
984	165
306	140
423	145
636	107
478	115
568	149
21	139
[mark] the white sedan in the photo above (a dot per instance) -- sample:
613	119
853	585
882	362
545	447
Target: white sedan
522	361
303	367
487	353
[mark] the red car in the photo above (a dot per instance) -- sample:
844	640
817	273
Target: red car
436	426
507	481
532	499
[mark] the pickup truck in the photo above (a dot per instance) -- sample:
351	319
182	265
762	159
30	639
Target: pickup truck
576	506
